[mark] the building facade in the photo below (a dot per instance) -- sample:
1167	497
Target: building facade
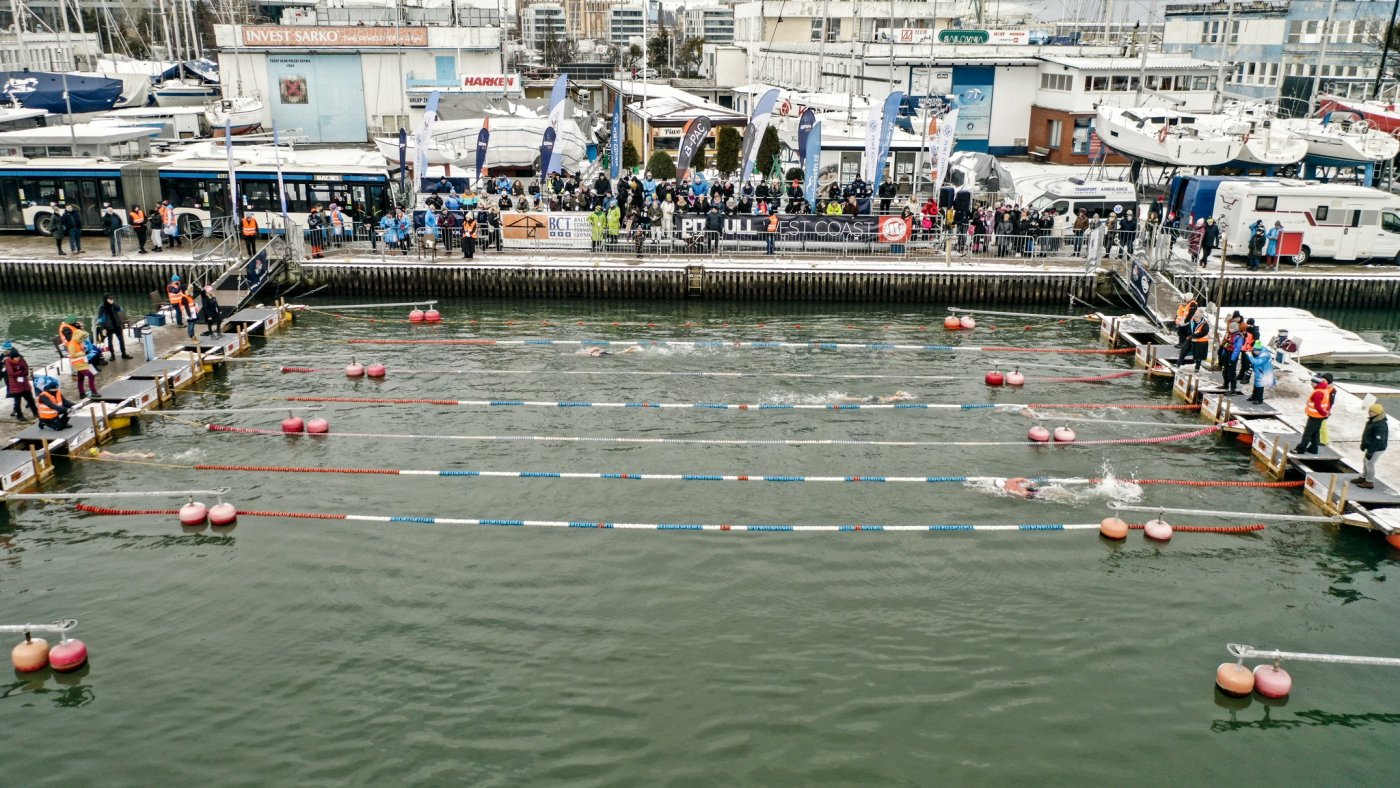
542	23
625	23
714	25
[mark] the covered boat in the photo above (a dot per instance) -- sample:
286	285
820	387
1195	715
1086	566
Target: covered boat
44	90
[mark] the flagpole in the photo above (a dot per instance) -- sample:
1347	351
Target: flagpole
281	187
232	173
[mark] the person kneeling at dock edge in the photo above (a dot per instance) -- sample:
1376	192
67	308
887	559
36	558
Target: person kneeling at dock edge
1319	407
53	408
1374	440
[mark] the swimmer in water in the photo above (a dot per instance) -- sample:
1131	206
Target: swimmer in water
898	396
1019	487
103	454
595	352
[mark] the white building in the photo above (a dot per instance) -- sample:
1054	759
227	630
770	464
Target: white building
541	23
625	24
45	51
714	25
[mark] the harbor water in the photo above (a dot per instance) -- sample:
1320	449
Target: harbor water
333	652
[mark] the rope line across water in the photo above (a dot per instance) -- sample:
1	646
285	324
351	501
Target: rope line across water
591	524
710	441
517	403
737	344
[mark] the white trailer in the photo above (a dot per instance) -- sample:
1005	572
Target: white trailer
1337	221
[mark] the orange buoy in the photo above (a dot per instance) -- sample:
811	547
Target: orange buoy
1234	679
193	513
68	655
354	369
995	378
293	424
432	316
318	426
223	514
1038	434
30	654
1064	435
416	316
1272	681
1015	378
1113	528
968	322
376	370
952	323
1393	540
1158	530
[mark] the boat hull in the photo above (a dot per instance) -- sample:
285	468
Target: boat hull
185	96
1382	117
1273	150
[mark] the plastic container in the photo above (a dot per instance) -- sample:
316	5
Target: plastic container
155	320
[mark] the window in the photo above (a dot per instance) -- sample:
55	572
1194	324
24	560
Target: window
1320	213
1056	82
1056	130
1390	223
1120	82
1079	140
1096	84
1266	204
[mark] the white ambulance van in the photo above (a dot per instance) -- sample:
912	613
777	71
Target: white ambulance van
1338	221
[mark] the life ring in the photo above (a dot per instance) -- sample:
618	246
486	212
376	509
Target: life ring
1162	134
1020	487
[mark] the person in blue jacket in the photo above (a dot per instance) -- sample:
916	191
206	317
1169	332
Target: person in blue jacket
1262	361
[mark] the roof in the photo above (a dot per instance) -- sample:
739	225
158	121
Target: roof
672	110
1156	61
83	133
11	114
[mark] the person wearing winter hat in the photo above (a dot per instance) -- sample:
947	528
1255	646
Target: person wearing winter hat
1318	408
1374	440
17	383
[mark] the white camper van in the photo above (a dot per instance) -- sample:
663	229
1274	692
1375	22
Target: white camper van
1338	221
1068	197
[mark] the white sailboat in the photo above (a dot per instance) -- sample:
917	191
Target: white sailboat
1344	140
1167	136
238	112
1267	140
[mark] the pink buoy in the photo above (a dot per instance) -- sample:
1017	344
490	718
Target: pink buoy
1234	679
432	316
293	424
30	654
193	513
68	655
416	316
318	426
354	369
1158	530
376	370
222	514
968	322
1113	528
1038	434
952	323
1015	378
995	378
1272	681
1064	435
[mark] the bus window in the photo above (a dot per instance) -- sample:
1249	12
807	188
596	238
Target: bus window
111	192
44	192
258	195
11	210
89	205
1390	222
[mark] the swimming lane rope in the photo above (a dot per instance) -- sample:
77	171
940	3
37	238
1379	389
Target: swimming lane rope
737	345
340	371
516	403
710	441
594	524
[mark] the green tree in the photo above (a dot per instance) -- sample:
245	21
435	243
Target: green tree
661	165
688	56
659	49
630	158
727	150
559	49
697	162
768	149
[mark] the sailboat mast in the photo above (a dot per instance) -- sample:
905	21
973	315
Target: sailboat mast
1327	28
1220	68
165	28
19	29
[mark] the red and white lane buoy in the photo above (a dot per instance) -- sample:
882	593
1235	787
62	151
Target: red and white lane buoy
1157	530
1064	435
968	323
194	513
1272	681
376	370
354	369
30	654
318	426
432	316
293	424
995	378
1015	378
223	514
1038	434
416	316
1234	679
1113	528
68	655
952	323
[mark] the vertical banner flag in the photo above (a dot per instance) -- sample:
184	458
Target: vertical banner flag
758	123
403	159
483	141
804	130
281	187
615	144
811	166
557	99
887	118
941	147
546	151
693	136
424	135
232	174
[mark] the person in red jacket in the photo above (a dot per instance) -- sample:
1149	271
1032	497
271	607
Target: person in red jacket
17	383
1319	407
